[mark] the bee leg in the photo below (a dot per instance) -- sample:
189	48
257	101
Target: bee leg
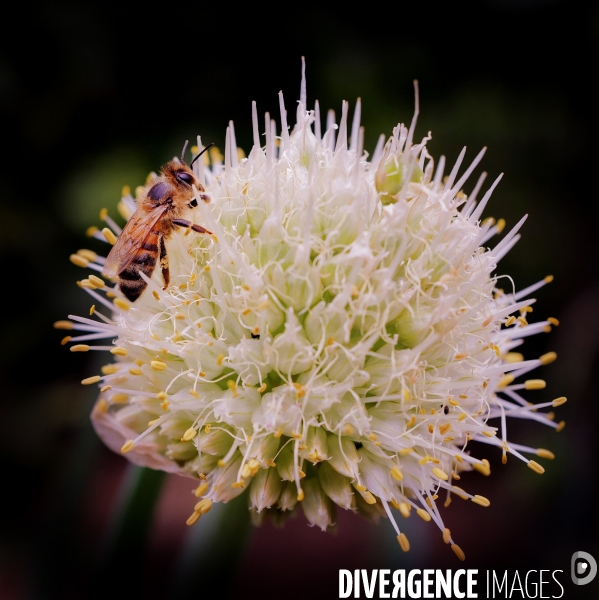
184	223
164	263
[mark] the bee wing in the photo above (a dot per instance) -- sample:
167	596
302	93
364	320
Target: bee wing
131	238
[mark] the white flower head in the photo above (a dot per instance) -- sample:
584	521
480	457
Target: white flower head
338	340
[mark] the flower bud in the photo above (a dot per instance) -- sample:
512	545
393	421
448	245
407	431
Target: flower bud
317	507
265	489
336	486
343	456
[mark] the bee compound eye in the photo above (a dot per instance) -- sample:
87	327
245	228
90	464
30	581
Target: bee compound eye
184	177
193	203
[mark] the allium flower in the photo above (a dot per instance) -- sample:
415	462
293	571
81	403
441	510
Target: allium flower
339	340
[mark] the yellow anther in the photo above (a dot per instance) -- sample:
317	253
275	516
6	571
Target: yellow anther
510	320
238	484
559	401
200	490
119	351
219	360
90	231
446	535
404	509
545	453
481	500
203	506
404	544
109	369
505	380
405	451
423	514
222	463
65	340
89	255
360	487
368	497
459	458
120	398
300	495
135	371
513	357
68	325
102	405
431	428
548	278
547	328
458	552
534	384
536	467
189	434
109	236
105	388
487	321
103	214
156	295
194	393
522	321
150	423
443	429
139	362
411	422
459	492
447	501
461	355
121	304
424	460
127	446
440	474
161	396
453	402
91	380
78	260
396	474
92	309
553	321
548	358
96	281
348	429
164	406
483	467
246	471
560	426
500	225
462	416
464	396
262	388
489	433
158	365
193	519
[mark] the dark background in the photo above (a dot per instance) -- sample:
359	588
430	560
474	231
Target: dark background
93	97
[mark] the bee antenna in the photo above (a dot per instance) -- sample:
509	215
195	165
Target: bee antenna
183	151
200	154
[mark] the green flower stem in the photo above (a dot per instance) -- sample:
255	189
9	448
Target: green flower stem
213	549
124	548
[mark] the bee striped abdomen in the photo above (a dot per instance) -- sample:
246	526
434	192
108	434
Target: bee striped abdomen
131	282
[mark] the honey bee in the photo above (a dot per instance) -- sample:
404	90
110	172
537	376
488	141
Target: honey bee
160	207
